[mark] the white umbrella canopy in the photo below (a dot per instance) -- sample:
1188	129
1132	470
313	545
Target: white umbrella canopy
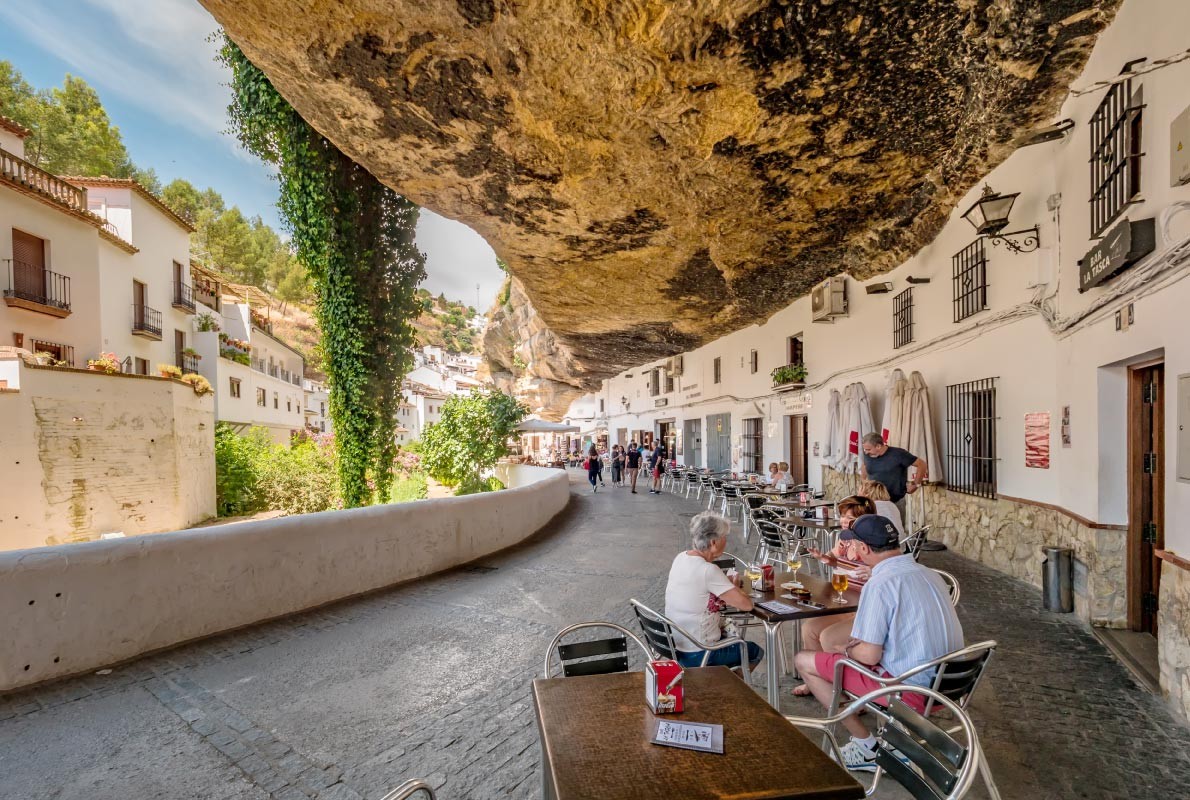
887	426
834	431
923	443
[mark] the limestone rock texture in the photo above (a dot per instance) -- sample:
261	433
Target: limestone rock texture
657	174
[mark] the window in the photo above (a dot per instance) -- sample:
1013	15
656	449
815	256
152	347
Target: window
797	350
289	404
276	401
601	405
669	382
260	398
753	446
322	410
234	387
1115	153
754	361
969	280
971	437
142	366
903	318
654	382
717	370
59	352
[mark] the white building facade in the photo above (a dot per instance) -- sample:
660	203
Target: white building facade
1081	339
317	402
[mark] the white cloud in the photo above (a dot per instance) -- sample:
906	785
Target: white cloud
152	53
457	260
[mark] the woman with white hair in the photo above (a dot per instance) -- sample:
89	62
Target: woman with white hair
697	589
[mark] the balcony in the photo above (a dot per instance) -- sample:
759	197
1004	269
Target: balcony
261	321
183	297
146	322
35	288
187	363
20	172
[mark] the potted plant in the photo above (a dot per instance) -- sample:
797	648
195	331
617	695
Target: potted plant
206	322
43	358
190	351
169	371
107	362
198	383
789	375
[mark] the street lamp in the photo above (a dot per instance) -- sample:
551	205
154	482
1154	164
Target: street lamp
989	216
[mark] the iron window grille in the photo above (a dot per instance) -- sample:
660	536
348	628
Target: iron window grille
1115	154
903	318
970	280
261	398
669	382
971	437
63	353
718	370
752	454
754	361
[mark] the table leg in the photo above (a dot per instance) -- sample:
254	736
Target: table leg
770	640
797	647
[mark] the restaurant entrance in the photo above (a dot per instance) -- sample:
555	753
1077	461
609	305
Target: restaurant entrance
667	434
1146	494
692	436
798	447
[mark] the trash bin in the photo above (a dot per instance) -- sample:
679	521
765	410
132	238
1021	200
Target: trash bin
1056	575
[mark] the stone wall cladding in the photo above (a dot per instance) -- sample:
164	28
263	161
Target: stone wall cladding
1009	536
1173	636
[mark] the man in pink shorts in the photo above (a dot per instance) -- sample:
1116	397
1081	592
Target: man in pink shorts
904	619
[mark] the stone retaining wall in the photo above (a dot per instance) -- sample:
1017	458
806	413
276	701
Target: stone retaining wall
1008	535
1173	636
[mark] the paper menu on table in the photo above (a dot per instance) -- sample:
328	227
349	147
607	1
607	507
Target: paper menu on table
775	607
702	736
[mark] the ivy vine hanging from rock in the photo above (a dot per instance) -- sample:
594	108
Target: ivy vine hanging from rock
354	236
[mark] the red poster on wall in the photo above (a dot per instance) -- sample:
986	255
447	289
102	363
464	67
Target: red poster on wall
1037	440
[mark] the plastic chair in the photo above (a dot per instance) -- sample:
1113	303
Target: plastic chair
614	651
940	767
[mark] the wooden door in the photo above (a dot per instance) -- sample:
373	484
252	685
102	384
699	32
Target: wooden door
138	303
28	265
1146	493
179	345
798	447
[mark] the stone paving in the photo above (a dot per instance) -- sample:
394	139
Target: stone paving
431	680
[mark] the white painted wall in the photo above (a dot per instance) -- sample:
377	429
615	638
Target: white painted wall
12	143
81	607
1040	368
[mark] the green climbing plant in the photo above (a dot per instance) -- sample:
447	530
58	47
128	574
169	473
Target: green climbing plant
354	236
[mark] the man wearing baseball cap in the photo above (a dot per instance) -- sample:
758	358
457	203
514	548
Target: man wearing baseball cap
904	619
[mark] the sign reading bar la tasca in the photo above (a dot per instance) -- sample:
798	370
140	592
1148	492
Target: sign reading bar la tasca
1120	248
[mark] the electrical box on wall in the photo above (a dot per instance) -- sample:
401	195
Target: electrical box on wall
1179	149
1184	428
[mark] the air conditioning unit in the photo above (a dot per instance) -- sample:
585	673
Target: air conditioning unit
829	299
674	366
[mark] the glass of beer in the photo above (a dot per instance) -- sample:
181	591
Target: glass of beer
753	573
839	584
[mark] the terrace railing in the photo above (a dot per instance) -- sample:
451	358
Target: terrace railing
146	321
183	297
17	170
36	284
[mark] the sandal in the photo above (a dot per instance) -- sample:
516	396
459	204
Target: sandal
801	691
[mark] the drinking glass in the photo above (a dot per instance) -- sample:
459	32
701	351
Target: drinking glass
793	560
753	573
839	584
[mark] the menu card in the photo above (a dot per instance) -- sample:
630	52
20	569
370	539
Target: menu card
777	607
701	736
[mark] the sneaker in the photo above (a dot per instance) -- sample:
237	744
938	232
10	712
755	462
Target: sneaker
856	757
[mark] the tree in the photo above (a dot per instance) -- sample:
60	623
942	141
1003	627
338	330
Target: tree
469	438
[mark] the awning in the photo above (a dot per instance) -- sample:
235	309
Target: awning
542	426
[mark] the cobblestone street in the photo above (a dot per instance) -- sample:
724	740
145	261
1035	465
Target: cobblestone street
431	680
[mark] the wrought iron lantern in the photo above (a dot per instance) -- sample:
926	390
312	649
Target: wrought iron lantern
989	216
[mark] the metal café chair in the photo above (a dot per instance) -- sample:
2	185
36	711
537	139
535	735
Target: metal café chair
940	767
716	493
952	586
659	633
693	480
409	789
772	545
591	657
912	543
753	502
732	500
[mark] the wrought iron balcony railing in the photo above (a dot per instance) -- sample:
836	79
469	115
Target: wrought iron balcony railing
36	284
183	297
146	321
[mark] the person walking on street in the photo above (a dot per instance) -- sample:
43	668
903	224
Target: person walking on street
594	467
632	464
617	466
890	466
657	467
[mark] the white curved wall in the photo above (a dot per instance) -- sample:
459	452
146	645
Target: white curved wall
74	608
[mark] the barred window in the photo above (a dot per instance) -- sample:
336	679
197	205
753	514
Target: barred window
753	445
260	397
718	370
1115	154
971	437
654	382
970	280
58	352
669	382
903	318
754	362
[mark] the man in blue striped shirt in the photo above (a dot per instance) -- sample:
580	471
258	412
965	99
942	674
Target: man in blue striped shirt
904	619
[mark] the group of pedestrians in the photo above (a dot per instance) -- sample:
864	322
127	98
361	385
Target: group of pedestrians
626	464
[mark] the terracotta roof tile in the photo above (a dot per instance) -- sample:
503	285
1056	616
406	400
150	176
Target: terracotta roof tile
15	128
131	183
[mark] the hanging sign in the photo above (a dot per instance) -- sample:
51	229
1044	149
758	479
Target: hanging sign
1120	248
1037	440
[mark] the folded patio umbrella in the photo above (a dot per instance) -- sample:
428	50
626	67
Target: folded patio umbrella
887	426
834	430
923	443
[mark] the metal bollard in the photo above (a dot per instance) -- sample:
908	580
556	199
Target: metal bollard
1056	579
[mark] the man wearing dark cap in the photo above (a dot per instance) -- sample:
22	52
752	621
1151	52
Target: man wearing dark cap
904	619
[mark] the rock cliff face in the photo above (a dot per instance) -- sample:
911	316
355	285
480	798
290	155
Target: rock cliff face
657	174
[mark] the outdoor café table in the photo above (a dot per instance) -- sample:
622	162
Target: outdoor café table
792	502
820	592
596	731
822	528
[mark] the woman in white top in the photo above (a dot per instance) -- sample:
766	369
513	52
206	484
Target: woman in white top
697	589
878	493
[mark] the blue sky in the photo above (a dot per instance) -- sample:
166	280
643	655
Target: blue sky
154	69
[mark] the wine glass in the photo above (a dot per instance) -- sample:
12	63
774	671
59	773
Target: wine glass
793	560
839	584
753	573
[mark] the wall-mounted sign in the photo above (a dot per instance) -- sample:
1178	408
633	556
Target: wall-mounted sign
689	387
1037	440
661	401
797	402
1066	426
1119	248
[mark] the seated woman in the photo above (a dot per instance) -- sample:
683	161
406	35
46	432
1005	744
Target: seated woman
771	478
697	589
885	507
830	634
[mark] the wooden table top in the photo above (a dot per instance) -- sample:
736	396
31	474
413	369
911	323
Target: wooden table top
596	732
820	592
